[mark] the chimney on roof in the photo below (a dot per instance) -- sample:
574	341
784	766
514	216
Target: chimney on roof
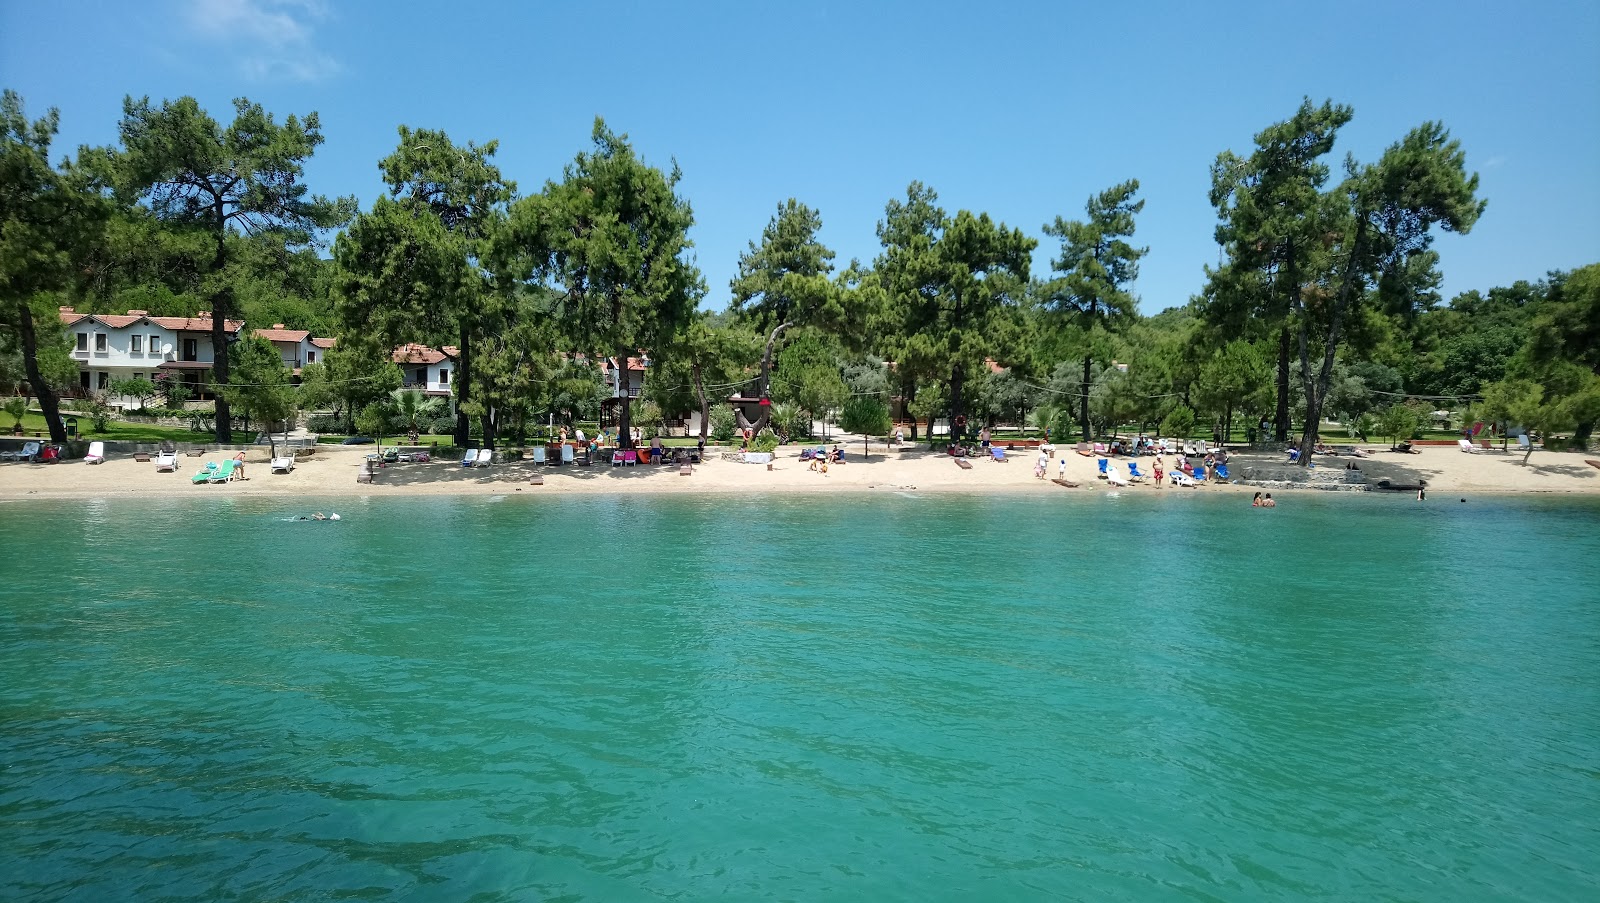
138	313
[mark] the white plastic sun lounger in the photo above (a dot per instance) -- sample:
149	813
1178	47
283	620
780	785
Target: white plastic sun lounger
283	464
485	457
1115	477
167	462
97	453
1467	446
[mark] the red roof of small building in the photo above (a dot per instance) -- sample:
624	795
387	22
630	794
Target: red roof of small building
414	353
318	342
278	334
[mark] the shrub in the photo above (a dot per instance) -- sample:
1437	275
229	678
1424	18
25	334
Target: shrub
325	423
99	413
723	423
765	441
864	414
1400	422
16	407
442	424
1179	423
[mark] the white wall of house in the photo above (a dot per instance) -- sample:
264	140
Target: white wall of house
432	378
111	353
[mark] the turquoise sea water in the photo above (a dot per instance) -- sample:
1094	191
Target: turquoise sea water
1068	696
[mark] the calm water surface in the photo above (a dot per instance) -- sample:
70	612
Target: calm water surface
874	698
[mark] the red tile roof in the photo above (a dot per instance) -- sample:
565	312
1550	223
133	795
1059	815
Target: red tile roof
279	334
413	353
201	323
323	343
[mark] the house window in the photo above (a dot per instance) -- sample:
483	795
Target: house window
155	344
191	349
83	341
100	343
102	380
311	357
444	376
138	376
83	379
136	344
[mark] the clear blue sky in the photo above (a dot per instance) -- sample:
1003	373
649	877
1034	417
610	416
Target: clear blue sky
1021	110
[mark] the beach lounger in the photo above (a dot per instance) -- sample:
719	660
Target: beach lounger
1200	475
283	464
962	463
97	453
224	472
485	457
996	453
567	455
204	474
1100	448
1467	446
536	480
616	458
167	462
1179	478
1102	473
1221	473
1084	449
27	452
538	455
142	457
1115	477
685	470
470	459
630	458
369	471
1133	472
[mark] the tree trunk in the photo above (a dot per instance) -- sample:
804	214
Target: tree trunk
220	303
1316	393
1281	420
955	405
766	378
625	416
48	403
1083	399
705	405
463	389
487	422
1227	424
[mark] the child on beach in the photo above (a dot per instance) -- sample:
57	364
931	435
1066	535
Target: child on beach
1061	469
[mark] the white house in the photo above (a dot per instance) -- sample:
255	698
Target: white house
112	347
296	347
428	369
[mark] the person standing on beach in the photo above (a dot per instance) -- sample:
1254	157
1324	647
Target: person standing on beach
1158	471
1041	468
983	438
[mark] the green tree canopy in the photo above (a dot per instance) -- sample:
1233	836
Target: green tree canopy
608	245
194	174
1095	267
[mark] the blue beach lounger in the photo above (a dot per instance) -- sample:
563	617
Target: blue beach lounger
1221	473
1133	471
1102	473
470	459
1200	474
998	452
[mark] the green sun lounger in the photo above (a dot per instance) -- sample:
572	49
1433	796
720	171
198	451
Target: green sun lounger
204	474
224	473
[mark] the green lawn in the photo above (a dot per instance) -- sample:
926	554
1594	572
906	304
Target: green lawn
128	432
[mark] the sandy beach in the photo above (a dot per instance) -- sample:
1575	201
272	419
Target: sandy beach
332	471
